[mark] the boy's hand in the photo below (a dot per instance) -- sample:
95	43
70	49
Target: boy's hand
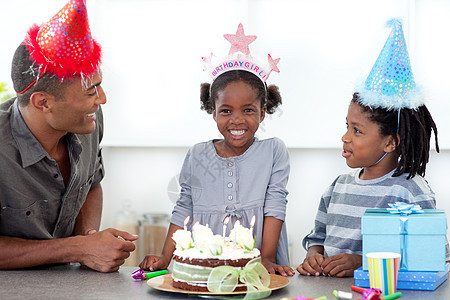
312	265
341	265
273	268
154	262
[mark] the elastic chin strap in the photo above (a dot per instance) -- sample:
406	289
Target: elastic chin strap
31	84
398	128
385	153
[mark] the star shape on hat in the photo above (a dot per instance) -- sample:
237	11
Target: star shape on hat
240	41
273	64
207	60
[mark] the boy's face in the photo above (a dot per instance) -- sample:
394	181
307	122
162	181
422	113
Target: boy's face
76	112
363	143
238	114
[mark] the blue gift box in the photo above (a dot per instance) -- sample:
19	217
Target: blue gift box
419	238
408	280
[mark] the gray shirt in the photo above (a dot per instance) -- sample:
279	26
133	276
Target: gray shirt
252	184
34	202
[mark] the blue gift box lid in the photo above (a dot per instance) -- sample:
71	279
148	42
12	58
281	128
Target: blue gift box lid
380	221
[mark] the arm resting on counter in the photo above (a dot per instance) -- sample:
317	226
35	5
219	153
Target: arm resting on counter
91	212
101	251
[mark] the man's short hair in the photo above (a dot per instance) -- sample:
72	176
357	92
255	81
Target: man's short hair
24	71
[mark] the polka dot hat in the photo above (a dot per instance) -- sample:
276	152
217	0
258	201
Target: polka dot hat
390	83
64	46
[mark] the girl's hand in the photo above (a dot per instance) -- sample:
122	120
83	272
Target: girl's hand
341	265
273	268
154	262
312	265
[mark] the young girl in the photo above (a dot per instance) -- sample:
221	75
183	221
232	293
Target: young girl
238	176
388	140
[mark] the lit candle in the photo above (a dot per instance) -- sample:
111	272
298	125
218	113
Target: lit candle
194	236
252	222
234	240
225	222
186	221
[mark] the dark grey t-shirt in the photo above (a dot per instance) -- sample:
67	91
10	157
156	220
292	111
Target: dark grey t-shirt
34	202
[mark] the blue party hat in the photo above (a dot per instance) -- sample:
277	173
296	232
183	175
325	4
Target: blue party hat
391	83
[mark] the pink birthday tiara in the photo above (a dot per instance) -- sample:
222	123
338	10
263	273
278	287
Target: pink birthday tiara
239	58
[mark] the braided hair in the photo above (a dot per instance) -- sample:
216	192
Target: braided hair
269	95
412	137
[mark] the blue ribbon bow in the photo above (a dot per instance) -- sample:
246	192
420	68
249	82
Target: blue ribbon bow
404	209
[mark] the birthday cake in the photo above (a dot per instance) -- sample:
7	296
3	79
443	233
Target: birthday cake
195	257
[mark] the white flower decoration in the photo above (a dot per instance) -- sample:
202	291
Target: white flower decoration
202	236
182	239
216	245
244	238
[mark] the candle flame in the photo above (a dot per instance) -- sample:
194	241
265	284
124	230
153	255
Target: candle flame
186	220
227	219
252	222
237	223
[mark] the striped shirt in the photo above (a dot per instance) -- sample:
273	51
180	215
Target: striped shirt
338	221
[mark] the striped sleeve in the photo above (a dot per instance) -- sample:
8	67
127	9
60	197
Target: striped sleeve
318	234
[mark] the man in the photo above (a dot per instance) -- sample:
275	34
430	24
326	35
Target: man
50	159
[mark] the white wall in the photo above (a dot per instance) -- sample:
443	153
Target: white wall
142	175
152	63
325	47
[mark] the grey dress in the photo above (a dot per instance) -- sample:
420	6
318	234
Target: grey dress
252	184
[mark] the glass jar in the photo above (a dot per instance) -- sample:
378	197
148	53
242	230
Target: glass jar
126	220
152	233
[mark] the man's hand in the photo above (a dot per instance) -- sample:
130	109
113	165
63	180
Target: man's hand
104	251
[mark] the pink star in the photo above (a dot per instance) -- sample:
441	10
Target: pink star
273	64
207	61
240	41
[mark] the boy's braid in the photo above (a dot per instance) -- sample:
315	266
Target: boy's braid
415	134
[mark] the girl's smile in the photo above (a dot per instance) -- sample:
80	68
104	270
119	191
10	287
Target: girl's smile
237	133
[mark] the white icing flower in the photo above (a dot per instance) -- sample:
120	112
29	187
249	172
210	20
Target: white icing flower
216	245
202	236
244	238
182	239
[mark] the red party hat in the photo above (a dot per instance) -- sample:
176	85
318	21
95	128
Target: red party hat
64	46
